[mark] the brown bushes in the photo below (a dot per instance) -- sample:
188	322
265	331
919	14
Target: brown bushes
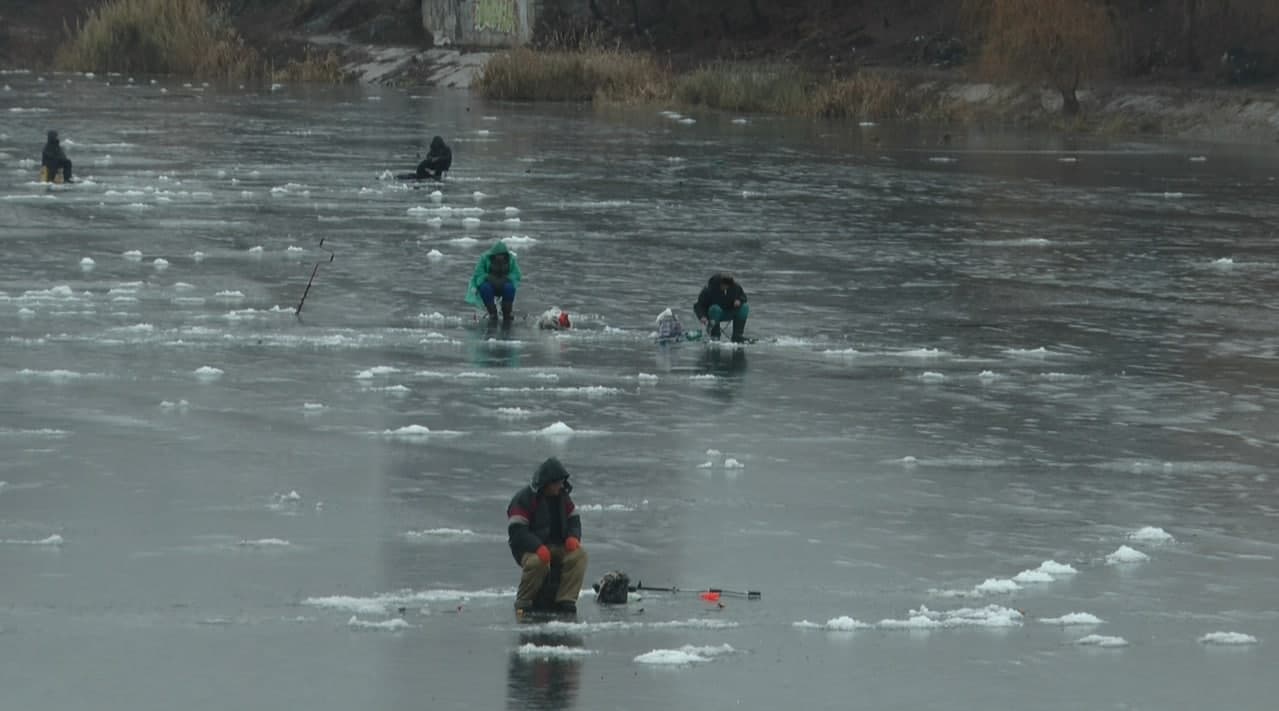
613	75
625	77
313	67
1062	42
182	37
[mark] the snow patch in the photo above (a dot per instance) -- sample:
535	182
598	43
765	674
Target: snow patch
392	625
1125	555
208	372
54	540
1228	638
264	543
925	619
1151	534
552	651
1098	640
1072	618
835	624
688	654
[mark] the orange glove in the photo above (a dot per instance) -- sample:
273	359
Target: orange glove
544	554
571	544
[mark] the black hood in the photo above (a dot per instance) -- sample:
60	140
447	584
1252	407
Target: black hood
53	137
717	281
436	143
550	471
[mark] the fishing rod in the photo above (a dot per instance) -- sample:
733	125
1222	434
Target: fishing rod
705	593
298	311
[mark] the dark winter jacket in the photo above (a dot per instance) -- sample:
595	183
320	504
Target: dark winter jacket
438	159
713	295
53	157
533	520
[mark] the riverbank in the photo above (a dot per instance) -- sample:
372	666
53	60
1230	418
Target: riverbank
948	98
888	91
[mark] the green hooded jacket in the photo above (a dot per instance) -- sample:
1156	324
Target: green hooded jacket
482	273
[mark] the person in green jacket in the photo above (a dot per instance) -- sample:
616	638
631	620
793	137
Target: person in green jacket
496	276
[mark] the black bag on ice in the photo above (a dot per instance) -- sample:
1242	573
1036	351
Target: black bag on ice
612	588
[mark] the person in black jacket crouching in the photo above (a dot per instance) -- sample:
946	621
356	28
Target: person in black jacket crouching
723	299
544	531
438	159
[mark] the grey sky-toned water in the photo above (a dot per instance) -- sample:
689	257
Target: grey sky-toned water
985	366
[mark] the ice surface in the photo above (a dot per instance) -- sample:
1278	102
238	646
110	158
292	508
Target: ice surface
965	372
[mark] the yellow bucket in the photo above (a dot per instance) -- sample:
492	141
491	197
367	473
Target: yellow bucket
44	176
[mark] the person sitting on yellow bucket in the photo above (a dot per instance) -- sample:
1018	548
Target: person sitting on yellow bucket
55	167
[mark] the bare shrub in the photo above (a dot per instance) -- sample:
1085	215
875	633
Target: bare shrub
1062	42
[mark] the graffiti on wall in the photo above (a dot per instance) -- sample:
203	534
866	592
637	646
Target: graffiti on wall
497	15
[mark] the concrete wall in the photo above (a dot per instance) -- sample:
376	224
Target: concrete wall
480	23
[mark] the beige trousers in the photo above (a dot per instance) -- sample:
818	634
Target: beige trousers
572	571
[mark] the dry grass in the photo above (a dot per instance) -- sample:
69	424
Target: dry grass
314	67
596	74
864	96
556	75
184	37
775	89
613	76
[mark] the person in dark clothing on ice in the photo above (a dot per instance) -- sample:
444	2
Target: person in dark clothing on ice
54	160
723	299
438	159
544	531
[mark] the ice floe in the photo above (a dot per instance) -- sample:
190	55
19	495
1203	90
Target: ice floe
1151	534
1098	640
688	654
54	540
394	624
552	651
1124	555
1072	619
1228	638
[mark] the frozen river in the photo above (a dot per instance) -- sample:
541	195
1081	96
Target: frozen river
1006	440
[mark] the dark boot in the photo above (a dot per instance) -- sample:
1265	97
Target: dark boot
492	309
507	314
714	330
738	328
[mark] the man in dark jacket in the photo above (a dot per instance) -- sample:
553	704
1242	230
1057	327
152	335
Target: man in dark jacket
54	159
723	299
438	159
544	531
